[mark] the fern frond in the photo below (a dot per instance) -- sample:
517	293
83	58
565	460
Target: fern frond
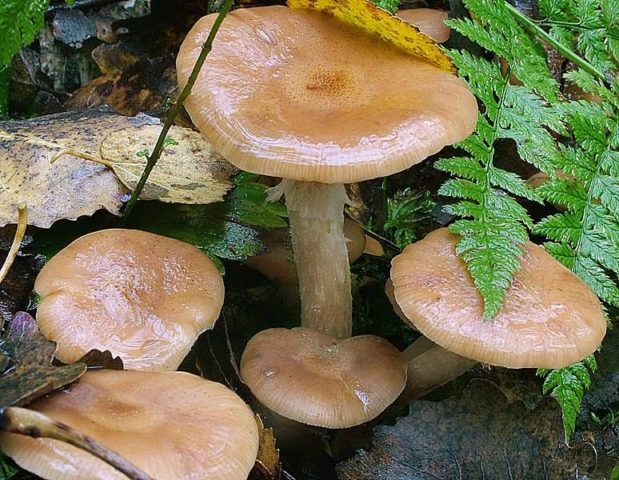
493	225
20	21
567	385
597	24
590	226
582	160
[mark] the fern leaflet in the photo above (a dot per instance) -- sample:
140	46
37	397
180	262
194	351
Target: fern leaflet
567	385
20	21
493	224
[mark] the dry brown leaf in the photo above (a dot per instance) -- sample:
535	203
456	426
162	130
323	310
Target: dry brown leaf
39	164
188	171
268	454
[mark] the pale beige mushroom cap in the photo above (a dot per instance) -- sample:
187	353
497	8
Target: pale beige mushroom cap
550	318
144	297
428	21
313	378
300	95
173	425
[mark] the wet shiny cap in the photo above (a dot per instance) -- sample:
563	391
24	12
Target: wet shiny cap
550	318
428	21
172	425
313	378
144	297
300	95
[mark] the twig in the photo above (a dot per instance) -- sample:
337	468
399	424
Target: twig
34	424
22	222
172	114
562	49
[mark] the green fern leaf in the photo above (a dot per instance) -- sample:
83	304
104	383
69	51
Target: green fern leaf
389	5
406	212
567	385
20	21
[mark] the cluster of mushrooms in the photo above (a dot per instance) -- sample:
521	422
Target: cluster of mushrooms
299	95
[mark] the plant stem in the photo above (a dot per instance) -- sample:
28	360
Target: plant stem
174	111
34	424
562	49
5	83
22	223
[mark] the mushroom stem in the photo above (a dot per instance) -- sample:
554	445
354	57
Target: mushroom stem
316	214
430	366
36	425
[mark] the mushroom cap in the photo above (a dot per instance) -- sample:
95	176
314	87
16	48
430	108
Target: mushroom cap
550	318
301	95
142	296
429	21
316	379
172	425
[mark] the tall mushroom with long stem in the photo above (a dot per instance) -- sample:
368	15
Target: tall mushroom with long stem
300	95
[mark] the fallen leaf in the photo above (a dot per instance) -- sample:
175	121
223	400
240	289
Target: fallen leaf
26	360
69	187
52	163
376	21
188	171
129	84
267	460
478	435
96	359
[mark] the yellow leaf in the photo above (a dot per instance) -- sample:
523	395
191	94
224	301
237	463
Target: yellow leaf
376	21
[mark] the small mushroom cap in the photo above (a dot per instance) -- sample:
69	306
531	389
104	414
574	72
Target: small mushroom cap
301	95
316	379
428	21
550	318
173	425
142	296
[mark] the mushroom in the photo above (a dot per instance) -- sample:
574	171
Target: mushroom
278	263
428	21
313	378
141	296
293	94
173	425
550	318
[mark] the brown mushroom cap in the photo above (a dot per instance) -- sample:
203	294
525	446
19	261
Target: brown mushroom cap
428	21
313	378
299	94
142	296
550	318
173	425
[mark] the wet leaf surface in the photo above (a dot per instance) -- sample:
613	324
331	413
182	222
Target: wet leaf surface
67	188
40	164
26	360
478	435
188	171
